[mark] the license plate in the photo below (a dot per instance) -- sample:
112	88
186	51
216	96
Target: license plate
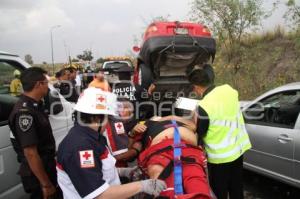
106	73
181	31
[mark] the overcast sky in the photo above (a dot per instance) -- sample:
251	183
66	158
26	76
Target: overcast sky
107	27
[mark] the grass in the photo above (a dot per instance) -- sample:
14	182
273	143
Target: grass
265	61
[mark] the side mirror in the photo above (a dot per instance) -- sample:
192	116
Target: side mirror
136	49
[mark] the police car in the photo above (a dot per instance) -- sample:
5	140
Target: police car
60	115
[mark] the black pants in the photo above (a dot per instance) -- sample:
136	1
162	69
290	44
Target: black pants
31	184
227	179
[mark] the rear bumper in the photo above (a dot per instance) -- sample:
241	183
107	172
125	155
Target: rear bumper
182	43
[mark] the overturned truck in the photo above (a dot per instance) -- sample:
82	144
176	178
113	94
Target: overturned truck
169	50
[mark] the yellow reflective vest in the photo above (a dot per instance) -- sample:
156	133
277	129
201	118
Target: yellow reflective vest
16	87
226	138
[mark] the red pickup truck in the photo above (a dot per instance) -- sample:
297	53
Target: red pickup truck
168	51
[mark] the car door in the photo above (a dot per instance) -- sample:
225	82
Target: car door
270	123
10	185
296	168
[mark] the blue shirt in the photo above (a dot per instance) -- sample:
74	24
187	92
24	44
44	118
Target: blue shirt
85	166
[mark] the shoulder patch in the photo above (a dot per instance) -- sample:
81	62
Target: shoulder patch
119	128
25	122
87	159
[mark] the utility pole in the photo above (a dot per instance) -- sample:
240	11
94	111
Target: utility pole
51	35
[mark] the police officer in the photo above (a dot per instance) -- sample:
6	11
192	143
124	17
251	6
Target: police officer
125	88
86	168
88	76
220	126
32	137
66	87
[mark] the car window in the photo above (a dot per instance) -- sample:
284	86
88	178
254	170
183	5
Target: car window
281	110
115	65
10	89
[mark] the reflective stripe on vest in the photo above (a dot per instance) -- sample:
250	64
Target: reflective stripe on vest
227	138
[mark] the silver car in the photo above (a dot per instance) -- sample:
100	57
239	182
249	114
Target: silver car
273	123
61	122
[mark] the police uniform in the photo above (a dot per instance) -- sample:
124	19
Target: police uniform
125	90
30	126
85	165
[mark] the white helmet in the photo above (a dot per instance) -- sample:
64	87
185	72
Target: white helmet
96	101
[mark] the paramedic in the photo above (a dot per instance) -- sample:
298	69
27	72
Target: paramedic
86	168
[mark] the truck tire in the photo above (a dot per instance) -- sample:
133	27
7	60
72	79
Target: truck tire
146	76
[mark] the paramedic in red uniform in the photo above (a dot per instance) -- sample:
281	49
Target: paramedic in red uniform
118	131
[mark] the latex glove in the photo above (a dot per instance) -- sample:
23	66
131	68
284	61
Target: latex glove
153	186
127	171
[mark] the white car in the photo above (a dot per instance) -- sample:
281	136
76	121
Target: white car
60	119
109	68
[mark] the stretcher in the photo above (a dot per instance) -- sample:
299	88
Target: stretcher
184	168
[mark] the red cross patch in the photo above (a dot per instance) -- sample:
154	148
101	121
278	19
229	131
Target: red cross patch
87	159
119	128
101	98
100	101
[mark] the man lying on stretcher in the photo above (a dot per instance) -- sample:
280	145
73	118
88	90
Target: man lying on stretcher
157	158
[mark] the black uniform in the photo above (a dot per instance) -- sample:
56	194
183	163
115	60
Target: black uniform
85	165
30	126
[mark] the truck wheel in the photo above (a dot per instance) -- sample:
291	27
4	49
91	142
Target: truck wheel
146	76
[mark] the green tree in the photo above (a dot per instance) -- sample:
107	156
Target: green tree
229	21
75	60
100	60
86	56
292	14
28	59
